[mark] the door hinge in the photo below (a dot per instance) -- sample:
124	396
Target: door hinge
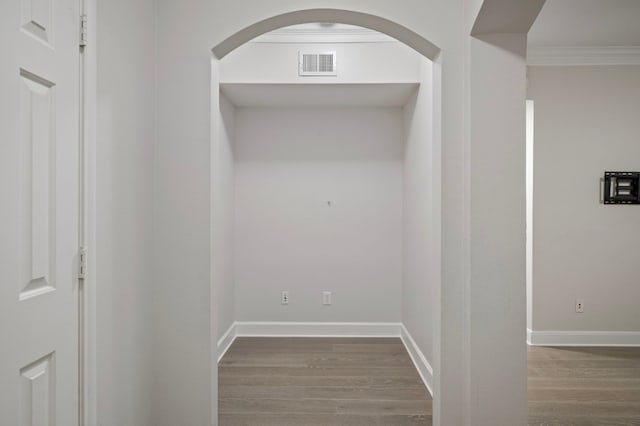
82	263
83	30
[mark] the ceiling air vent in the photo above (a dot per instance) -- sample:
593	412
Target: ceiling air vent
317	63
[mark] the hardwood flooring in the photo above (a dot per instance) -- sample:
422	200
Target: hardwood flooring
320	381
340	381
584	386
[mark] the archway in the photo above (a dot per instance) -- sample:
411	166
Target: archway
400	33
482	94
338	16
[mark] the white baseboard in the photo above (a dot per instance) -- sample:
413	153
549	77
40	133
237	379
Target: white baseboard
226	340
304	329
419	360
330	329
317	329
583	338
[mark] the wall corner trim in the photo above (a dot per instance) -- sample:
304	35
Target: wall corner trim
583	338
224	343
419	360
331	329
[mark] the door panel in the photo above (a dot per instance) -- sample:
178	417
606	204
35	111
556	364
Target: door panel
37	190
39	205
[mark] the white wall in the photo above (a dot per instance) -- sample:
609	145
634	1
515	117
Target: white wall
382	62
124	179
223	216
421	230
187	30
586	123
290	164
184	325
497	290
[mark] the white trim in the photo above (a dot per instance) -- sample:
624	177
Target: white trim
583	55
317	329
419	360
226	341
90	285
583	338
343	35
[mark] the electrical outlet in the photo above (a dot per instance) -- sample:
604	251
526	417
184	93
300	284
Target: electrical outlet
284	298
580	306
326	297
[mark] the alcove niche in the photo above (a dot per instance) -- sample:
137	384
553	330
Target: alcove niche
326	183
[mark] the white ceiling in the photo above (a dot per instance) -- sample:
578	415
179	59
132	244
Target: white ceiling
561	23
587	23
323	33
318	95
323	27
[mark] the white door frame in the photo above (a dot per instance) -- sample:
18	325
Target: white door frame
87	297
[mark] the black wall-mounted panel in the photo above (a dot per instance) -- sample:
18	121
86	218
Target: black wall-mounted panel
621	187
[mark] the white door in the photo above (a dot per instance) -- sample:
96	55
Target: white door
39	172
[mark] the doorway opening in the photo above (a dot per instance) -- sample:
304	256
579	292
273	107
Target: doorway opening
529	213
325	193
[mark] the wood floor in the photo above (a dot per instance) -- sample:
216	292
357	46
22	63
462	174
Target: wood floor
320	381
338	381
584	386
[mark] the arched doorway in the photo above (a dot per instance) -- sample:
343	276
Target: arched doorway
400	33
338	16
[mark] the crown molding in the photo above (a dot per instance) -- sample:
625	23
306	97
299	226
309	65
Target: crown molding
547	56
328	35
